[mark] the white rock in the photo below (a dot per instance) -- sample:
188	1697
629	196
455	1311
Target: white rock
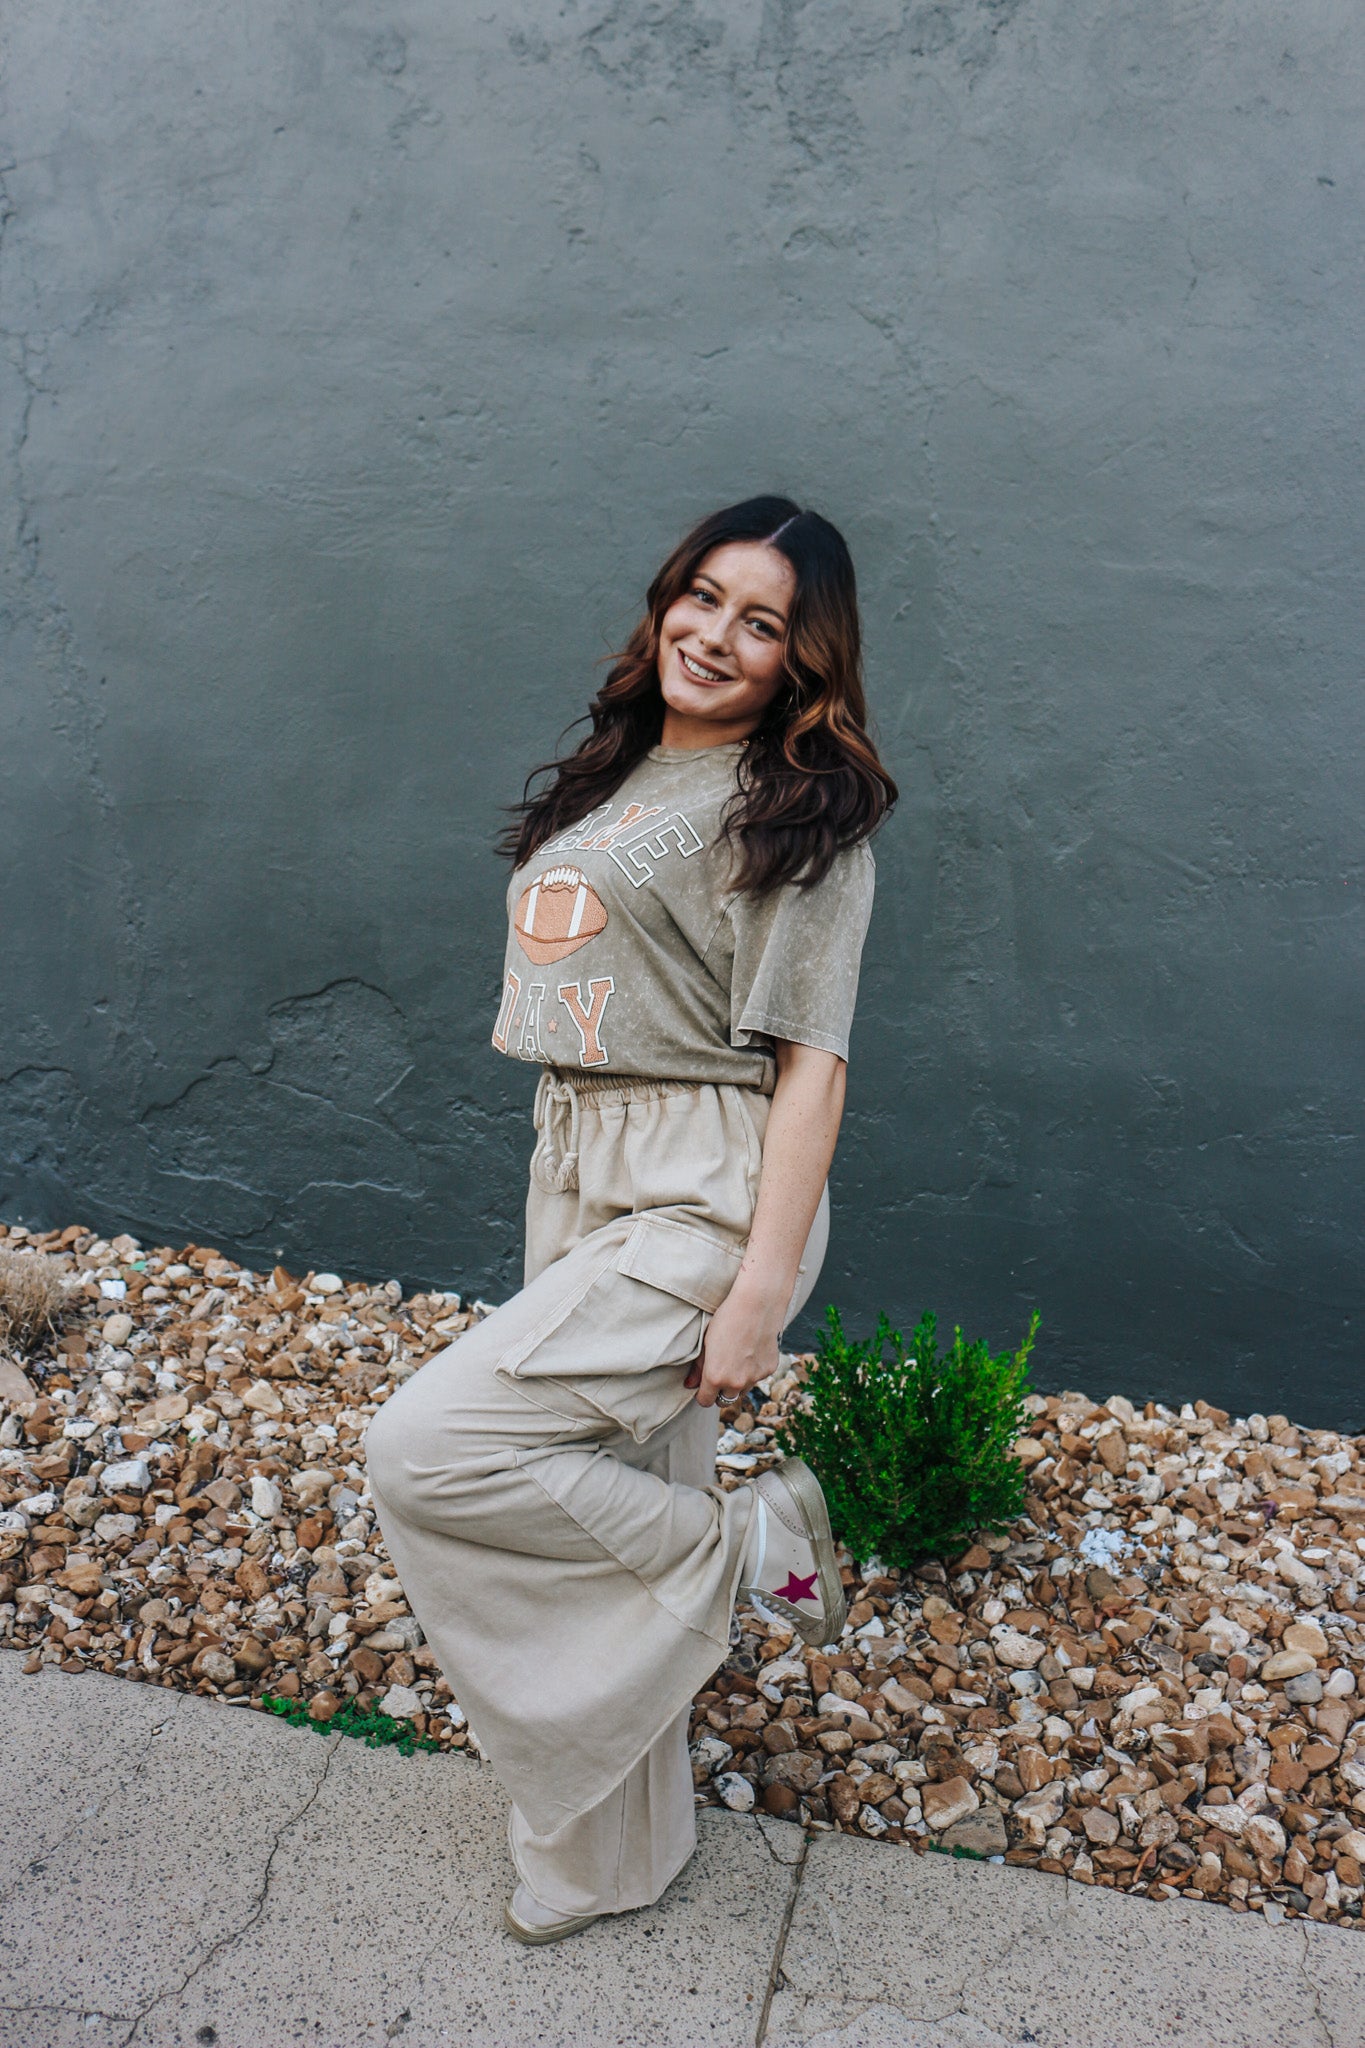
38	1503
12	1523
113	1290
709	1752
326	1283
129	1475
262	1398
110	1527
736	1791
402	1633
266	1498
401	1702
1352	1843
1262	1835
1225	1636
1339	1684
1039	1812
1295	1572
1018	1652
382	1588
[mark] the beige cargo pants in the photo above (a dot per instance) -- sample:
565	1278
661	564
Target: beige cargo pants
546	1485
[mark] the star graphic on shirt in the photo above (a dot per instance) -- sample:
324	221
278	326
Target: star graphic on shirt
796	1589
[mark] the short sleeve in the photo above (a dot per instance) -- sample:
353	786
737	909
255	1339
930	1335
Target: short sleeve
797	953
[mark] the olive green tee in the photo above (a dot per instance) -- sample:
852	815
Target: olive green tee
627	952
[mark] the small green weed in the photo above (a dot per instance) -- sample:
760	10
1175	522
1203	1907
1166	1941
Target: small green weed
912	1446
375	1730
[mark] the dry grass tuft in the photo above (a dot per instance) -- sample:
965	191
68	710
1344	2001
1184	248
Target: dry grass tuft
33	1293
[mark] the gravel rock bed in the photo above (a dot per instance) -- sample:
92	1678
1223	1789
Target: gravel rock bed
1153	1682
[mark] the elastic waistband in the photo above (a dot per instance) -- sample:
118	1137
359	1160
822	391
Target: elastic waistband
635	1087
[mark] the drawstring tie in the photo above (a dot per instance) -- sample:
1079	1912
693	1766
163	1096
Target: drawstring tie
554	1163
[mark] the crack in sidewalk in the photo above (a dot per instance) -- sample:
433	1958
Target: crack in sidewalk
1319	2016
37	1864
798	1871
254	1912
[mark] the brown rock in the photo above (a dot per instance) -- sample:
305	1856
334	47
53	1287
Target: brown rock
1286	1664
1112	1449
322	1706
1288	1775
215	1665
779	1738
844	1799
1101	1827
81	1577
1318	1756
1034	1768
953	1800
1335	1718
15	1385
251	1656
253	1578
779	1799
800	1769
905	1693
977	1559
875	1789
983	1832
1185	1745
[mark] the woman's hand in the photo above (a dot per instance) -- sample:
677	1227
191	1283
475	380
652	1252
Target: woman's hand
740	1346
803	1124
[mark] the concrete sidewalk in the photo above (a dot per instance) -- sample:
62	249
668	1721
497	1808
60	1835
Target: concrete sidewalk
174	1871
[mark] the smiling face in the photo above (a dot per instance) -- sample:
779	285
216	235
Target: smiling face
720	645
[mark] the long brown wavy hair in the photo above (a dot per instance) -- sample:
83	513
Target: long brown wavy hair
809	781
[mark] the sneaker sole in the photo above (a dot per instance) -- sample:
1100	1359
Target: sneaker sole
534	1937
809	1496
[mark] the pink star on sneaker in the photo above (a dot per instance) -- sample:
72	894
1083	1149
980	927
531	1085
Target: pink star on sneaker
796	1589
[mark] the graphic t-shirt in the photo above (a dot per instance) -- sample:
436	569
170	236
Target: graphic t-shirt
627	951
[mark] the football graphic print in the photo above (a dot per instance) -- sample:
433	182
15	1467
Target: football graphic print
559	913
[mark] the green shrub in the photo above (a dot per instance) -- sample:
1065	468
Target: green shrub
912	1447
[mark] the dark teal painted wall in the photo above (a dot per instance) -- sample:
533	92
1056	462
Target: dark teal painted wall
357	369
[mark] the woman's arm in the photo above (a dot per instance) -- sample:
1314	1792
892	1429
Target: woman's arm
803	1124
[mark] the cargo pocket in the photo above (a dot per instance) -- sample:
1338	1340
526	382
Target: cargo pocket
622	1339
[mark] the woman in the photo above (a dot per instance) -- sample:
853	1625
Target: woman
687	910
